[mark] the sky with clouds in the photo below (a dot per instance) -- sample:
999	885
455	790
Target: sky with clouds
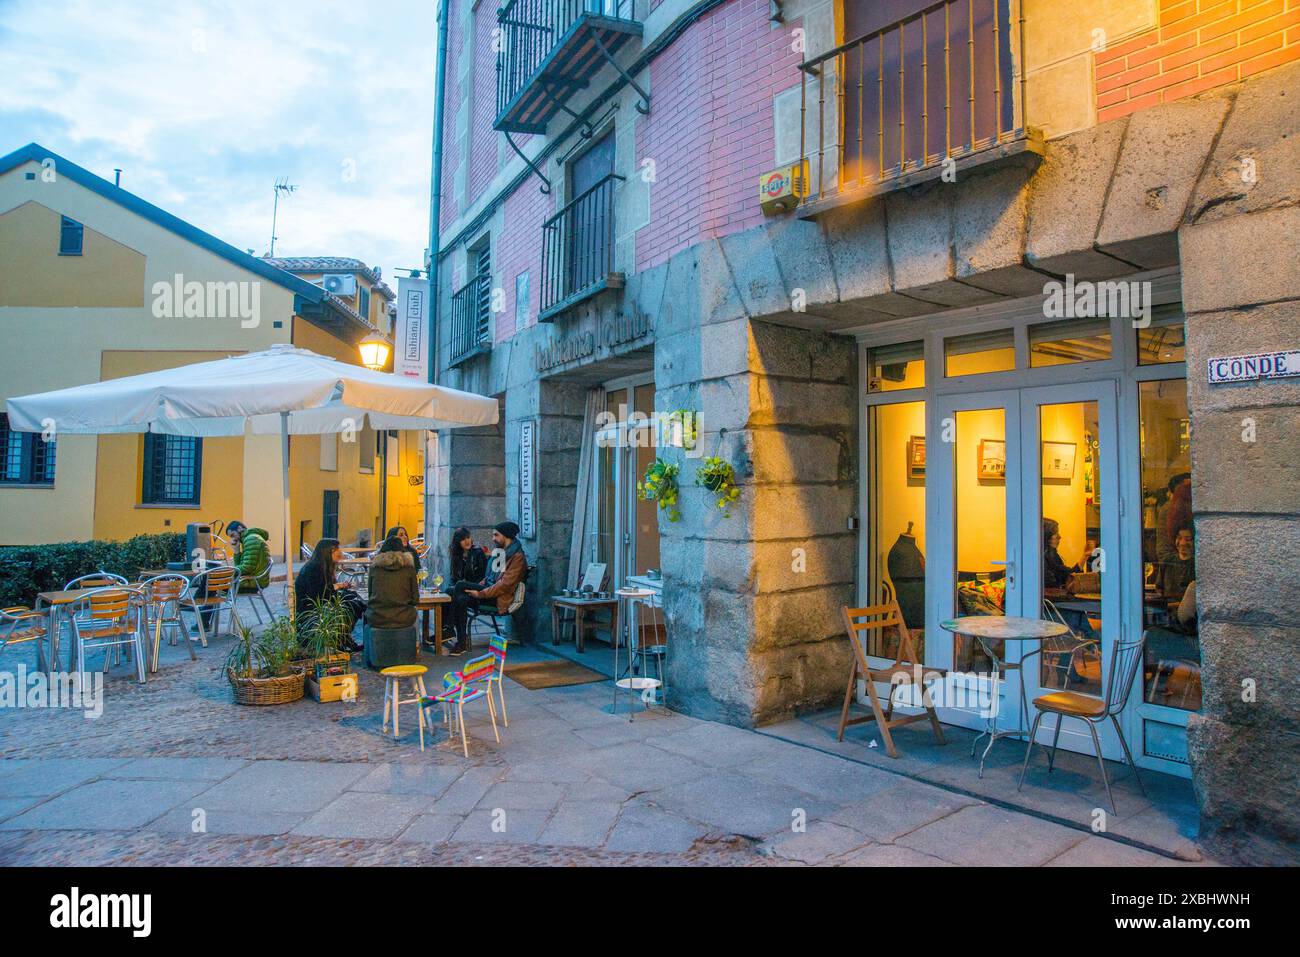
204	105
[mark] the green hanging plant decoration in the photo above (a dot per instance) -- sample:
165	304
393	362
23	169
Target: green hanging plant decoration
660	485
717	475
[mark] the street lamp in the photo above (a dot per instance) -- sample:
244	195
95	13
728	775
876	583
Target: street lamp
374	351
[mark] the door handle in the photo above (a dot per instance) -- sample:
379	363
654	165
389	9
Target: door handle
1010	565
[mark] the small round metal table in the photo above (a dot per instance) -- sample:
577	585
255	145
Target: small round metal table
986	629
633	683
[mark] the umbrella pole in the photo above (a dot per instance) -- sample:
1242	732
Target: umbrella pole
288	542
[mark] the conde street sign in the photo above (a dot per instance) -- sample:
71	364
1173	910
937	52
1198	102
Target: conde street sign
1264	365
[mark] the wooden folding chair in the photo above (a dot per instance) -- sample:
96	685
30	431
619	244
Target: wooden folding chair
857	623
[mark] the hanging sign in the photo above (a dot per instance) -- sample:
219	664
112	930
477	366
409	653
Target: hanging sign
411	339
527	478
1264	365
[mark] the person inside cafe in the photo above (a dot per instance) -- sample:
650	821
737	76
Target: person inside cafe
318	581
252	556
390	613
1173	514
1179	570
497	588
1055	574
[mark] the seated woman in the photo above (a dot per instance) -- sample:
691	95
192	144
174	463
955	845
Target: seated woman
399	532
391	612
318	581
468	566
1178	570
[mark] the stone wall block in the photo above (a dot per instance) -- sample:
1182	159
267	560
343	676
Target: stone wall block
1253	559
1241	260
1231	474
1164	151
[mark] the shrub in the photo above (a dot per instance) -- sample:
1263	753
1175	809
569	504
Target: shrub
26	570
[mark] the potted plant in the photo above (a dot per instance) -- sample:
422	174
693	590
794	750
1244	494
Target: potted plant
328	669
717	475
260	668
660	485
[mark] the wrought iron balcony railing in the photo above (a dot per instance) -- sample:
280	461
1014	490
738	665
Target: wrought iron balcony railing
548	49
471	311
578	249
940	85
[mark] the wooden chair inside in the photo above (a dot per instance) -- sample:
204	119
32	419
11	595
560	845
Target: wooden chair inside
859	623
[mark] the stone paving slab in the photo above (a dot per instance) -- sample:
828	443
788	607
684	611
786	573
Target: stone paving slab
645	827
105	805
43	777
177	769
581	824
282	786
982	835
369	814
256	823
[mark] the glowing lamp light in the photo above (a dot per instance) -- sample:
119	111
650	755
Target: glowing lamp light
374	350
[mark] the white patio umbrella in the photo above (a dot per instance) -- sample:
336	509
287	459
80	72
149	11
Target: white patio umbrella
284	389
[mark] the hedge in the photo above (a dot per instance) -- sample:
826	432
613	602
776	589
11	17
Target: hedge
26	570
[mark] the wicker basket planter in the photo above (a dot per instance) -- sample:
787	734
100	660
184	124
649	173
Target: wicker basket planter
282	689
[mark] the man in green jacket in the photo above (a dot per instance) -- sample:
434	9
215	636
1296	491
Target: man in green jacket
252	557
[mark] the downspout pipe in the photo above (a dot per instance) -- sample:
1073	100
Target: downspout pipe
435	200
435	216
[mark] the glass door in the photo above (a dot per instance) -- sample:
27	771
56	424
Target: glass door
973	518
1071	547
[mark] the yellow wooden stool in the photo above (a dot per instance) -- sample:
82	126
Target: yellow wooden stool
393	694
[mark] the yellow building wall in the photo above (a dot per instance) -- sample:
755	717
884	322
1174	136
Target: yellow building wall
57	346
107	273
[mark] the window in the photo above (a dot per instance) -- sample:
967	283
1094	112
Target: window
890	368
28	457
71	234
367	449
1173	651
1071	340
896	519
1165	338
980	353
330	514
173	470
363	303
329	452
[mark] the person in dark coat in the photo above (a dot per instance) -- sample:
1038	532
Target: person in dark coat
391	612
399	532
318	581
468	562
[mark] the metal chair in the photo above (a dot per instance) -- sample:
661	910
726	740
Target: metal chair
477	612
213	591
242	590
99	579
19	625
1125	660
1074	648
112	619
471	683
162	596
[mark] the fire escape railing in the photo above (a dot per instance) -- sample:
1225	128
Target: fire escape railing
578	248
531	29
470	328
939	85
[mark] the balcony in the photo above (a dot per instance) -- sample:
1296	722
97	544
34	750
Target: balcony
471	329
578	250
939	90
549	49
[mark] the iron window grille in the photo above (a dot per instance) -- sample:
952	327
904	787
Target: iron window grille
173	470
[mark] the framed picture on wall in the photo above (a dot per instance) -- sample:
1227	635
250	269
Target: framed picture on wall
916	457
1058	460
993	459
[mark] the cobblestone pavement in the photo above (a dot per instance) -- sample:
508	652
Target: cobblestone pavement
174	772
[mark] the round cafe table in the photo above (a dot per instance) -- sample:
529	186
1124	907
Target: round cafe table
986	629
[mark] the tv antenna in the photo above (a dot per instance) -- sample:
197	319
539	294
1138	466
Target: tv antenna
282	185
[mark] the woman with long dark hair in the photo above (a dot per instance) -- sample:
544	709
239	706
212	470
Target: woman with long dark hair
318	582
467	567
399	532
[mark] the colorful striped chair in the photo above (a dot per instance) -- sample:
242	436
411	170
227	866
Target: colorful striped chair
459	688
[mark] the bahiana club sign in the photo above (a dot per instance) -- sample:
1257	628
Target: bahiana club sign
1264	365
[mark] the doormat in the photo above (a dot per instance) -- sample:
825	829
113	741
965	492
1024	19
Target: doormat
557	673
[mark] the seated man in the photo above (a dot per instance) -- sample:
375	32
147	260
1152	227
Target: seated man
1178	570
252	557
498	588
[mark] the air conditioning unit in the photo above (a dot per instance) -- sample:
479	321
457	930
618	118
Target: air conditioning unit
340	284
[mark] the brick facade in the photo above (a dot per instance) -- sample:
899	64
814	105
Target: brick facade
1197	45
